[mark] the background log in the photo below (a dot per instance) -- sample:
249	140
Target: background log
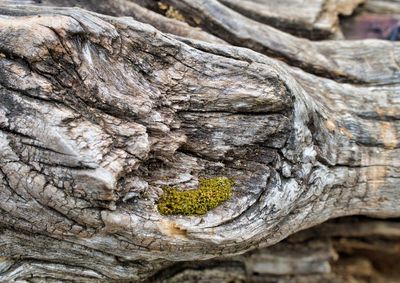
99	113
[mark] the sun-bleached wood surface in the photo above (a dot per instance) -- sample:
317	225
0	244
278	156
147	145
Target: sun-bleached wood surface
99	113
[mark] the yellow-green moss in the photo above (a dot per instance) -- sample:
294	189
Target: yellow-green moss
171	12
211	193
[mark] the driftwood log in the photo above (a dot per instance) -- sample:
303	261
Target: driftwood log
98	113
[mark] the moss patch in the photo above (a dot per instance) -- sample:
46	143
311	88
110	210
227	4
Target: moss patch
211	193
171	12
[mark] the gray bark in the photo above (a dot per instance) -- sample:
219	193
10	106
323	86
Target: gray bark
382	6
99	113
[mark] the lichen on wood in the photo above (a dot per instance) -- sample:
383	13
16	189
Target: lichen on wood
210	194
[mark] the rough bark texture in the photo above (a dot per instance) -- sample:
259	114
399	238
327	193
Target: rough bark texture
99	113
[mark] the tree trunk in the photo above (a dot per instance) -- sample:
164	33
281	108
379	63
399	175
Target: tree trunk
100	114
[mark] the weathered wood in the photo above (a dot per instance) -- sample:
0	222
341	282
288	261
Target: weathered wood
128	8
382	6
316	20
359	62
345	250
98	113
